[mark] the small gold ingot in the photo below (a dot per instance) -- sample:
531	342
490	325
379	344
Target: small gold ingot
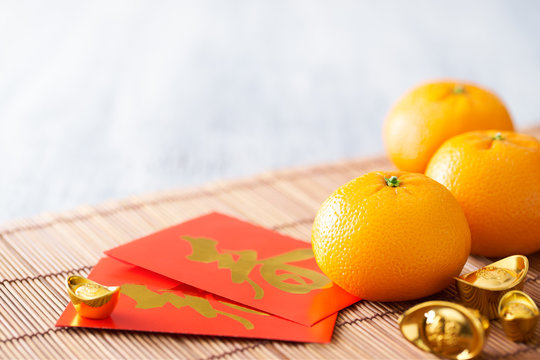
90	299
445	329
482	289
519	315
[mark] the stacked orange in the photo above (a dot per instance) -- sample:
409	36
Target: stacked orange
431	113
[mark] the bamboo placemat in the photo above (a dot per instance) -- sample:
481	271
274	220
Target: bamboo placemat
36	255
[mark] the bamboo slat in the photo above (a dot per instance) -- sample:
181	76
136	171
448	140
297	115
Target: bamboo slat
37	254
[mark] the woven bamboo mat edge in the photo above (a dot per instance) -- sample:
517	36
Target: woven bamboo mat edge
206	190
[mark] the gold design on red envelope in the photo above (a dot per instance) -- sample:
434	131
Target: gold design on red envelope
159	303
275	270
148	299
243	263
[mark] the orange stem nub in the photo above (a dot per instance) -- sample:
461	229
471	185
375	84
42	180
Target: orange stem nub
392	181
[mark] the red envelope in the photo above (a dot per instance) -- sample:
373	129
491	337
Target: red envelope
150	302
242	262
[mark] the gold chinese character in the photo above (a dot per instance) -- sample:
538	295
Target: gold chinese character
148	299
275	270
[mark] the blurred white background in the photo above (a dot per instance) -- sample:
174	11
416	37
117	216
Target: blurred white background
103	99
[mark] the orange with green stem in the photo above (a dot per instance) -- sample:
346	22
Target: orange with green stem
495	176
431	113
391	236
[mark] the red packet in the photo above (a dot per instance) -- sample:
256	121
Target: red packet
242	262
150	302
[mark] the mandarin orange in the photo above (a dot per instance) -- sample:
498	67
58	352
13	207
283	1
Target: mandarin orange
391	236
495	176
431	113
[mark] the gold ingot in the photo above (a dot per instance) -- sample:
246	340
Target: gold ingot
90	299
519	315
445	329
482	289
